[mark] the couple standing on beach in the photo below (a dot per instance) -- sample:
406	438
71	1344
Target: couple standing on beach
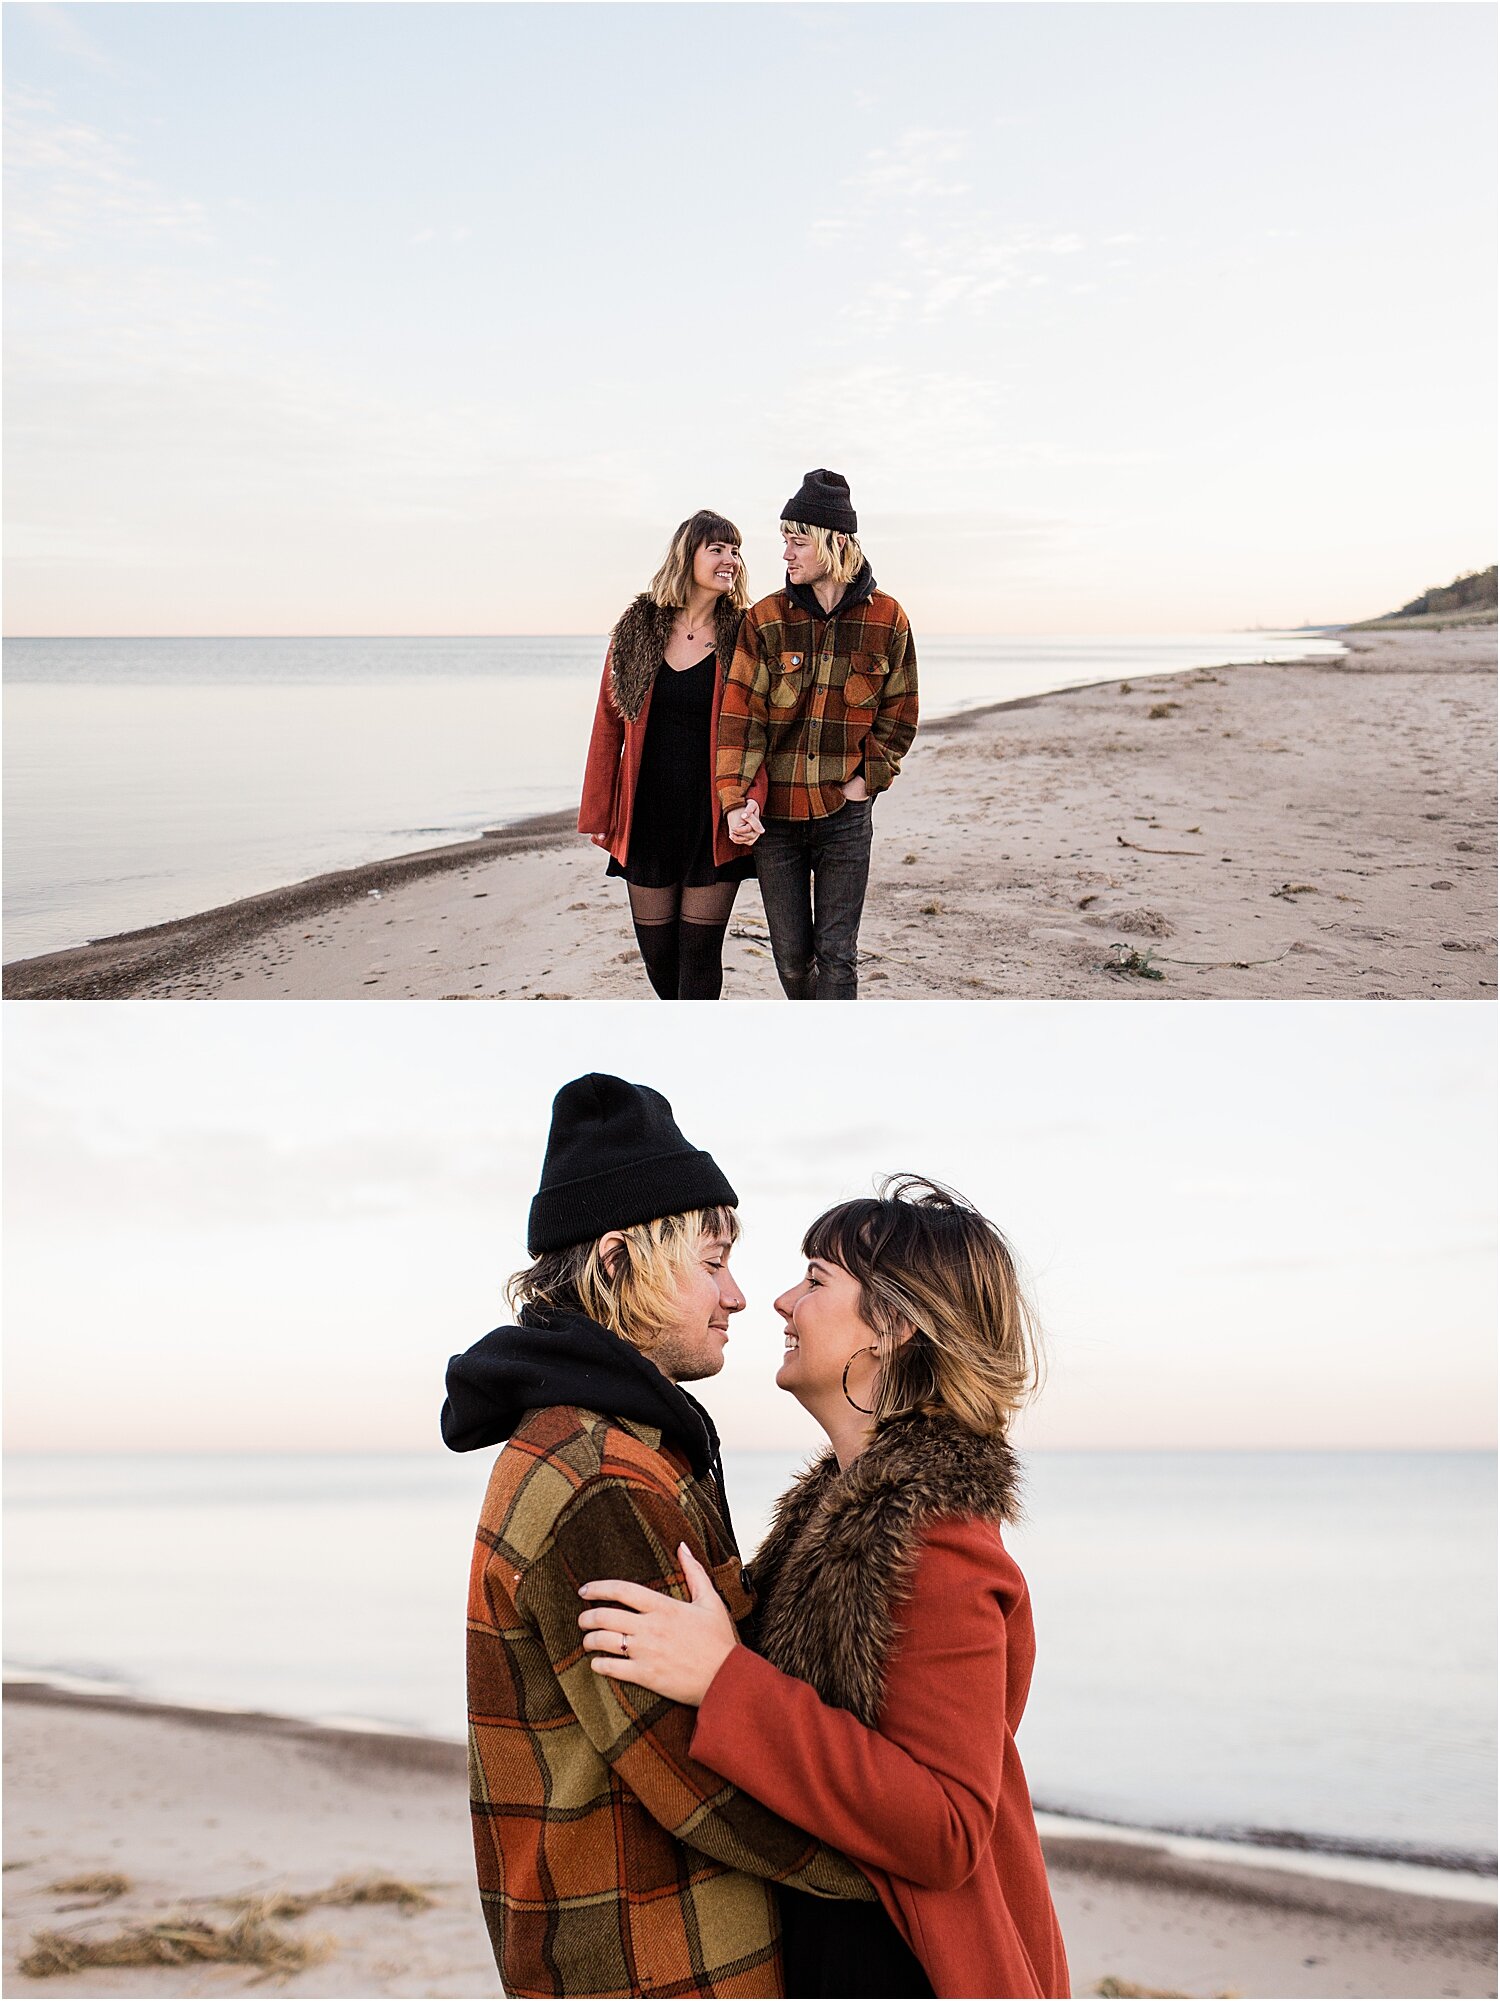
689	1778
724	726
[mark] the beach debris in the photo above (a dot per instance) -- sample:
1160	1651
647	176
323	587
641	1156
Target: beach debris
1158	710
373	894
1116	1989
1128	961
1126	688
249	1941
1291	889
102	1887
907	860
1141	922
369	1888
1136	848
1239	965
1085	901
933	909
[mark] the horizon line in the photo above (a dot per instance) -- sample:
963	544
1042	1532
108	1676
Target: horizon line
1233	631
426	1452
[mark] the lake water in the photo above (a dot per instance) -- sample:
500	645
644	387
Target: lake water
1292	1644
146	779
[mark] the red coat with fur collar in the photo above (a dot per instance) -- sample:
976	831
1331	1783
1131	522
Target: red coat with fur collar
929	1798
619	734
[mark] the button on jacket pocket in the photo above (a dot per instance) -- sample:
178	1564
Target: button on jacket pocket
786	685
862	684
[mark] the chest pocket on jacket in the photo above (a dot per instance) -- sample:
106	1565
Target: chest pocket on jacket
729	1582
786	683
865	679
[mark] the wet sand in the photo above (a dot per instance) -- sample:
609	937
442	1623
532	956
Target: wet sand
1323	828
195	1806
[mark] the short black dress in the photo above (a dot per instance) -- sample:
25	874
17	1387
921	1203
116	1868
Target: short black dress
845	1949
672	824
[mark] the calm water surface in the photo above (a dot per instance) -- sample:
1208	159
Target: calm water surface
1291	1642
146	779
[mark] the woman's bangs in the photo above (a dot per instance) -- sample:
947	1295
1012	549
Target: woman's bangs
841	1235
718	528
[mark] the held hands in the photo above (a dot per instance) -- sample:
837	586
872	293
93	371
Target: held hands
744	824
658	1642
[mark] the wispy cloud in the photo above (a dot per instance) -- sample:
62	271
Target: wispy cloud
66	180
944	252
923	165
85	1179
61	27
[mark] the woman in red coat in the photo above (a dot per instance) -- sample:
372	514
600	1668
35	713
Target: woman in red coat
648	788
893	1636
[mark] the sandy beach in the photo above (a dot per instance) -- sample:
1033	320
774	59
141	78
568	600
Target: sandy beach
197	1809
1320	828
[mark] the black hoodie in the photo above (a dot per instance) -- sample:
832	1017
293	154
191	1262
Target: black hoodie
856	592
563	1358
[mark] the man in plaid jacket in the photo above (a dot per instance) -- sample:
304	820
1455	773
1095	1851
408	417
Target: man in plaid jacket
822	691
610	1863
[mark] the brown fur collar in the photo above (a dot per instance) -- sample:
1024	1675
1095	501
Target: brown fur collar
640	639
839	1559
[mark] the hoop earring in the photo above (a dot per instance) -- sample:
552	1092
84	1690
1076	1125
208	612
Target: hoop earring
844	1381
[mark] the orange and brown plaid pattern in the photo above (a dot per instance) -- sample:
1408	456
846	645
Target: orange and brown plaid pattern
809	697
610	1863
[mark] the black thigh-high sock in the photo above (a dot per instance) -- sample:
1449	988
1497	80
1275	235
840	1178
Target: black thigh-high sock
658	943
700	954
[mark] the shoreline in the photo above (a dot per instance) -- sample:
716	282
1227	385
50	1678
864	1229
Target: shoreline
204	1809
114	966
1265	830
1472	1878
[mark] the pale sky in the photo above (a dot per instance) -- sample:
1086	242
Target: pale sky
244	1227
437	318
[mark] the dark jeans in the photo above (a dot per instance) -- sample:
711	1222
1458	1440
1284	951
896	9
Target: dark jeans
812	883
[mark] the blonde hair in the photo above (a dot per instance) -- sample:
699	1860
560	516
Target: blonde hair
926	1259
840	552
634	1292
673	581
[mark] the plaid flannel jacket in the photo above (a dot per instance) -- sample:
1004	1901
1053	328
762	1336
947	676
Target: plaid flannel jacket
810	697
610	1863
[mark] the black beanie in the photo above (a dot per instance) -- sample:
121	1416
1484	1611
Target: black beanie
823	502
615	1157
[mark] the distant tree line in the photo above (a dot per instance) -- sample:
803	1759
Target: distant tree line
1473	590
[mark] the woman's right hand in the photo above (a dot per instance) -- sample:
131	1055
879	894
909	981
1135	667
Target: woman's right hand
744	825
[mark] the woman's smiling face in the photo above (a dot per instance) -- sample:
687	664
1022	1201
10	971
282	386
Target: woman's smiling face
716	565
823	1327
